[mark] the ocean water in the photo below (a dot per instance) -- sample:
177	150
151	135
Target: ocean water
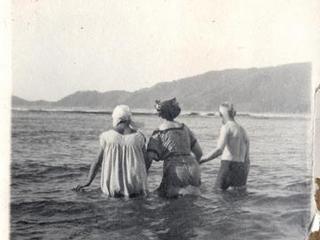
52	151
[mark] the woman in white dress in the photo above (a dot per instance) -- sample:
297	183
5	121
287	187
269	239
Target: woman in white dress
123	158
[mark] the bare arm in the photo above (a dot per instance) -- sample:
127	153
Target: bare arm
222	141
95	165
212	155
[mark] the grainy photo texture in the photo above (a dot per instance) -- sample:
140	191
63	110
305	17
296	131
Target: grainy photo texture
162	119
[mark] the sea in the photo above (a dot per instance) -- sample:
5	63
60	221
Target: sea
52	152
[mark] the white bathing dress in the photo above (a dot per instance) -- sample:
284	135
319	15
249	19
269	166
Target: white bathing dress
123	167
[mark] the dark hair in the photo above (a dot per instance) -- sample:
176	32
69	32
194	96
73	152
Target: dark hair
168	109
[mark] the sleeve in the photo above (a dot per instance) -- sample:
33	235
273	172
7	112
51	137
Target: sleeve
223	137
154	146
192	137
102	141
142	138
247	158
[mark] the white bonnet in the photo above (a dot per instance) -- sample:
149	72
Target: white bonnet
121	113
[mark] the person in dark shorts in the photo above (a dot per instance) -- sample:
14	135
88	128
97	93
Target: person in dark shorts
233	147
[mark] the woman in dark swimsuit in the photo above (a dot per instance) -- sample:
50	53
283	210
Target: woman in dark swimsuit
175	144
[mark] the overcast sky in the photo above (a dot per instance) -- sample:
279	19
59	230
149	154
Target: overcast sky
62	46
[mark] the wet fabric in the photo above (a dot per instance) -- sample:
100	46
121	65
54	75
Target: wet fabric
232	174
180	168
123	167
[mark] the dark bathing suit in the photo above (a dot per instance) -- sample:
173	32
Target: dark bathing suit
180	168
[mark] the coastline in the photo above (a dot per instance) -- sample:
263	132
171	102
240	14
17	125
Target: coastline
146	112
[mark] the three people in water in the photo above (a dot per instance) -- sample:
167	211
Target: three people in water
125	159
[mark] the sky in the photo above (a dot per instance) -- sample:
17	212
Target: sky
63	46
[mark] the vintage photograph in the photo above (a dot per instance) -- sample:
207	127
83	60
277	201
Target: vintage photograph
314	227
162	119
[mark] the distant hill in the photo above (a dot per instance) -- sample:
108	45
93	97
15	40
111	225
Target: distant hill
93	99
279	89
20	102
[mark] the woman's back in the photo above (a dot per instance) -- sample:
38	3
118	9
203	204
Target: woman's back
176	145
112	137
172	141
181	169
123	167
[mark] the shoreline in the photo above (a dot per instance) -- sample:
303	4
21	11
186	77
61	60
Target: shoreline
146	112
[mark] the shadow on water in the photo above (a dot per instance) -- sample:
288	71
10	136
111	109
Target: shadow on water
177	218
149	217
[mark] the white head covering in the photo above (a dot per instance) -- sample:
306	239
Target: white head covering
226	108
121	113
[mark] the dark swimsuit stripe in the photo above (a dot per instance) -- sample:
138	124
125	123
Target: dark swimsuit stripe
169	129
